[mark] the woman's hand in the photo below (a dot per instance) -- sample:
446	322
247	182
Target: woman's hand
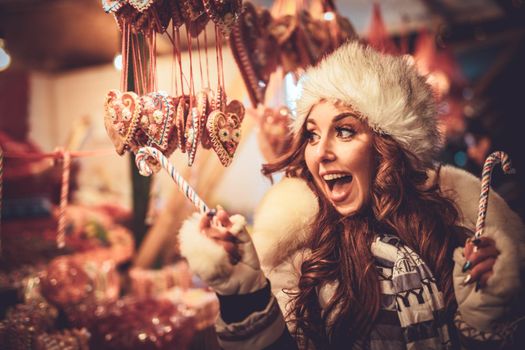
480	259
220	251
216	228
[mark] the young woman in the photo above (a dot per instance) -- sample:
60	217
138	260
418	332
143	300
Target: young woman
365	243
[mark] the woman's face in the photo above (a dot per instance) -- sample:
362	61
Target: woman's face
339	155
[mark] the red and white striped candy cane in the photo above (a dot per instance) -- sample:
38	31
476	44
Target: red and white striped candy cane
145	170
493	159
64	194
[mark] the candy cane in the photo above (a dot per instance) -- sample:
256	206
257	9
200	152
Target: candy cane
490	162
64	194
145	170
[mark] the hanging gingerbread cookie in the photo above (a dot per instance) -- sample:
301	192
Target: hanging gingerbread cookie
224	129
121	118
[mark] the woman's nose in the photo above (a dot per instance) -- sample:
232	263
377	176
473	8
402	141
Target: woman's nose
324	151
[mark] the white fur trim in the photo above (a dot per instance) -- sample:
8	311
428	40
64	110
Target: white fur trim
281	222
502	225
384	89
206	258
238	224
282	226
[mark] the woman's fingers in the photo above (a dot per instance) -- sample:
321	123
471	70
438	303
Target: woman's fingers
480	269
226	240
215	226
205	222
483	254
472	246
484	278
480	258
231	249
222	218
218	234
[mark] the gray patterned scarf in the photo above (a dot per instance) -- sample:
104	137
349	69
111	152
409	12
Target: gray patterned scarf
411	288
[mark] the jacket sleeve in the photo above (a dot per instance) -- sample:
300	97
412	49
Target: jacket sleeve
279	232
488	310
252	321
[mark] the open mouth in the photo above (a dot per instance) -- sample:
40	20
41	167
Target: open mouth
336	182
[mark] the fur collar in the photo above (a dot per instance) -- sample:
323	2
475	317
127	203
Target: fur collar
282	219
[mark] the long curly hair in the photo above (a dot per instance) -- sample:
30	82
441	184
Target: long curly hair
402	204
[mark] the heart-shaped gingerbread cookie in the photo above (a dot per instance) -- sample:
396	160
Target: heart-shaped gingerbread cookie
141	5
156	119
111	6
224	13
195	125
255	50
177	13
195	16
224	129
122	111
183	110
210	106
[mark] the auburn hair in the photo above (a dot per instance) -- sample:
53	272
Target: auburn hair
401	203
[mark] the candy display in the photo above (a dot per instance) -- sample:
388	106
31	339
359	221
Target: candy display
142	324
153	283
72	279
74	339
24	322
201	304
187	118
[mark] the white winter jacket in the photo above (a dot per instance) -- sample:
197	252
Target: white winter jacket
280	232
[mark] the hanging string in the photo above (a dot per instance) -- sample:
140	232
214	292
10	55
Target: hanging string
218	97
221	94
200	60
125	56
122	51
217	64
176	42
192	87
153	62
64	193
135	63
173	65
207	63
223	82
179	59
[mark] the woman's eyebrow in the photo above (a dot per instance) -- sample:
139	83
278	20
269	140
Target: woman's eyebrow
343	116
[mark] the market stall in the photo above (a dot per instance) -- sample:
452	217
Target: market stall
84	269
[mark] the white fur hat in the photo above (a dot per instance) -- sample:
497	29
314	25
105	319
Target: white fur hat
384	89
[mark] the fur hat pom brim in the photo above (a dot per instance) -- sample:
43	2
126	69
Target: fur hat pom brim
386	90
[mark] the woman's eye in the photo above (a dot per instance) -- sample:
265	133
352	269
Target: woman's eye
345	132
311	136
